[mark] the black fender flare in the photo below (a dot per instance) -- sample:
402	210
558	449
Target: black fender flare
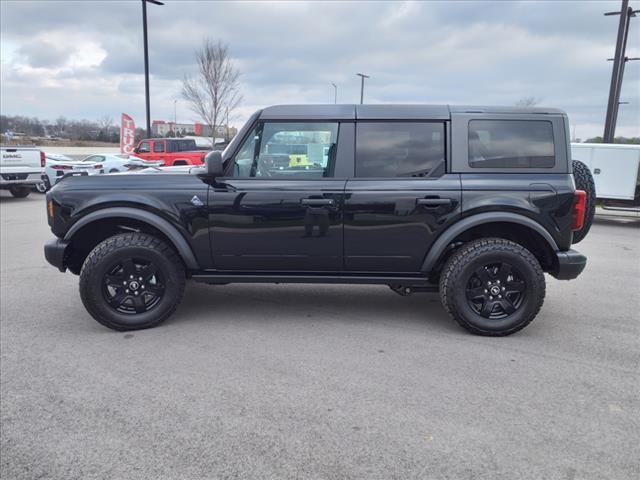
440	245
171	232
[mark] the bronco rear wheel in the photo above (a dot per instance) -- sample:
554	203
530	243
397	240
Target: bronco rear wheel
132	281
492	287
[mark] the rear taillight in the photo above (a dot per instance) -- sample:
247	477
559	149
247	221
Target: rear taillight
62	167
43	159
579	209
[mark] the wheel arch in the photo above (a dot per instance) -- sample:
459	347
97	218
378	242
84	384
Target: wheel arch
103	223
511	226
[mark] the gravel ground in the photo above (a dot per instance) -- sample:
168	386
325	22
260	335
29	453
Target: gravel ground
326	382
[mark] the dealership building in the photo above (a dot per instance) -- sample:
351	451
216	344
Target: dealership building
161	128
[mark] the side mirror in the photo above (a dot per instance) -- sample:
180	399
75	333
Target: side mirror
213	160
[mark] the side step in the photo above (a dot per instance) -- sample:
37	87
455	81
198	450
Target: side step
414	283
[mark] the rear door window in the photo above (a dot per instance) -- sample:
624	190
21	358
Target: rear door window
511	144
183	145
400	149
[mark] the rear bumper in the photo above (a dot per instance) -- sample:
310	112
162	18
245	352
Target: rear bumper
26	178
569	265
55	251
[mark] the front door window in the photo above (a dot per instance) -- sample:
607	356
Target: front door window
301	150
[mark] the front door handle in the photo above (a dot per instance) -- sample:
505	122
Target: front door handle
433	202
317	202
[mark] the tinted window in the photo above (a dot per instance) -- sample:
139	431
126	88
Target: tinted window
288	149
399	149
183	145
158	147
511	144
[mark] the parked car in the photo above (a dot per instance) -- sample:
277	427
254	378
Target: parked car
171	151
113	163
58	165
20	169
474	202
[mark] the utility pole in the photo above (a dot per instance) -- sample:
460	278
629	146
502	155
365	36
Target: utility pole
362	76
146	61
619	60
335	93
175	113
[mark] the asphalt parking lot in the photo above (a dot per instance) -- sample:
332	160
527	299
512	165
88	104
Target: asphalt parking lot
325	382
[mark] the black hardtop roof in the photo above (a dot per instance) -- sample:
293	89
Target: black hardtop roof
387	111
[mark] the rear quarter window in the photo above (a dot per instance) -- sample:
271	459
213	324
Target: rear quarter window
511	144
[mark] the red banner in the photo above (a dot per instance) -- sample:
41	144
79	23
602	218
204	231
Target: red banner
127	134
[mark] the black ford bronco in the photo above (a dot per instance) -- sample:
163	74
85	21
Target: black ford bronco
476	202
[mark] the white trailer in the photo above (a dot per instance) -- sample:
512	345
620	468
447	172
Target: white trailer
616	172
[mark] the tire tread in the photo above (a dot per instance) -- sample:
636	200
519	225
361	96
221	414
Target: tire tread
584	181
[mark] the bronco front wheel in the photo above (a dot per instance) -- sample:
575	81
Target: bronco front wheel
132	281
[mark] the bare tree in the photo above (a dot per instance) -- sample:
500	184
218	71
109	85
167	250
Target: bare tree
61	124
215	89
527	102
105	122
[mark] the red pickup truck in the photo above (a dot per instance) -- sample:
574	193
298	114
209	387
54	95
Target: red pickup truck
172	151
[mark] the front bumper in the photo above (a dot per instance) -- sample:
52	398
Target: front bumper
55	251
569	265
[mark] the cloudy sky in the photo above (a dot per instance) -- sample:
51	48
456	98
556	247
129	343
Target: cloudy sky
83	59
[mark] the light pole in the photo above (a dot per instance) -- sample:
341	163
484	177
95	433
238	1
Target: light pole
146	61
335	93
362	76
174	113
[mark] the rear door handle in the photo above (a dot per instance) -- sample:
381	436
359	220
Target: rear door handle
317	202
433	202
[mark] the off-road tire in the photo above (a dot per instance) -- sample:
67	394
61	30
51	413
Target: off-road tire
460	267
584	181
19	191
138	245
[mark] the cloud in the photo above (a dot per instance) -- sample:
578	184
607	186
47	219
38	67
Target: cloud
44	54
85	58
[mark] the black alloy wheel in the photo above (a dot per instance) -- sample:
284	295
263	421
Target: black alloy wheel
496	290
133	286
492	286
132	281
